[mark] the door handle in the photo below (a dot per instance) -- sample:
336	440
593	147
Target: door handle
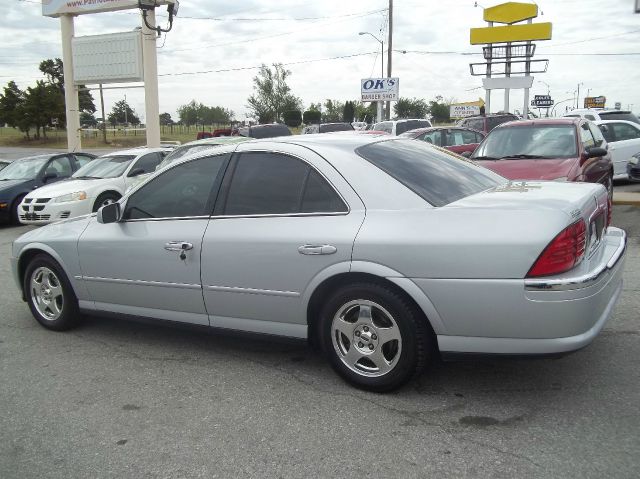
317	249
178	246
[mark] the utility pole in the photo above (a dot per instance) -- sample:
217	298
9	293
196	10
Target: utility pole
389	53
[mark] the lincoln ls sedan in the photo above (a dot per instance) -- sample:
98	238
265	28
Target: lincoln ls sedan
385	252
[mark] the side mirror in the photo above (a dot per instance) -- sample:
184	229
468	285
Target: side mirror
136	172
49	176
466	154
109	213
595	152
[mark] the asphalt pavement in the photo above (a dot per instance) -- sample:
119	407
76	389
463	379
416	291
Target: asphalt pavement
118	399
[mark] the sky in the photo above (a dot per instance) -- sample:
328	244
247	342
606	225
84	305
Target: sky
595	47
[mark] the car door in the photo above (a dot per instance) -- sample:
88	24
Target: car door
626	144
596	169
284	216
148	263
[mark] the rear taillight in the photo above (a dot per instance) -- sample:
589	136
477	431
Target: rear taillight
609	208
563	253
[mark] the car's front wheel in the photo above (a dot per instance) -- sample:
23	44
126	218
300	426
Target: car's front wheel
373	337
50	295
105	199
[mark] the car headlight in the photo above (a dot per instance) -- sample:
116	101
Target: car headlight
77	196
562	178
635	159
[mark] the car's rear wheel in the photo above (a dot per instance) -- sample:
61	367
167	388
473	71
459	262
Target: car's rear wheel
50	295
105	199
373	337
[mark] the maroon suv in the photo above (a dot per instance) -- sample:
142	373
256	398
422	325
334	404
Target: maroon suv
561	149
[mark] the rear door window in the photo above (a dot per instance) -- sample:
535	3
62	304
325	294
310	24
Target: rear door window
278	184
438	176
433	137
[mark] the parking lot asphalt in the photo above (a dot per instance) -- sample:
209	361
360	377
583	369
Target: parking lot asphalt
124	399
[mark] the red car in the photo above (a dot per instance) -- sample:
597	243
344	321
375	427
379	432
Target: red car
456	139
561	149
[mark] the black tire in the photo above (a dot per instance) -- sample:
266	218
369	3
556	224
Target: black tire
15	214
412	352
103	198
609	186
69	315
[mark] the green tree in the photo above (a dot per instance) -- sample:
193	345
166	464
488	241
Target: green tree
365	112
188	113
311	116
42	103
122	113
272	95
10	101
349	111
292	118
165	119
332	111
410	108
87	118
439	110
54	71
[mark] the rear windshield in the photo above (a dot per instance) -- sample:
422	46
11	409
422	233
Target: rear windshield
438	176
618	115
403	126
266	131
529	142
493	121
330	127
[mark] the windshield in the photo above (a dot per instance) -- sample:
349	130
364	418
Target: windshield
329	127
104	167
437	175
24	169
183	151
619	115
527	142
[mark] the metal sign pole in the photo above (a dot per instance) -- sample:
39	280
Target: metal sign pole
72	104
151	99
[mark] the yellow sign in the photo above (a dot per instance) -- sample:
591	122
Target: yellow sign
511	33
511	12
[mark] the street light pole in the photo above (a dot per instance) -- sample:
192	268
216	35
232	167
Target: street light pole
379	114
389	52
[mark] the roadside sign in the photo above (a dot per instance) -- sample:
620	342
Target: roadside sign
542	101
379	89
463	111
595	102
55	8
511	33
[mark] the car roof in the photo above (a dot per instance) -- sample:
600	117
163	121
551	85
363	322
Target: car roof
542	121
419	131
143	150
217	140
605	122
345	140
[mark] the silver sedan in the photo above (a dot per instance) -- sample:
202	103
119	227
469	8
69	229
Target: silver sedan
383	251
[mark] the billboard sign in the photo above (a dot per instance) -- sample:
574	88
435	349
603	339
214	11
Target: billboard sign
55	8
111	58
542	101
595	102
380	89
463	111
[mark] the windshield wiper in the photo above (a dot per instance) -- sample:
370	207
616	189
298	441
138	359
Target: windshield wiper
87	177
490	158
525	157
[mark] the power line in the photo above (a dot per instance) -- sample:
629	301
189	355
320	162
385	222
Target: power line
256	67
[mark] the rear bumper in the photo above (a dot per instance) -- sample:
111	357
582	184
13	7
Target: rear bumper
548	316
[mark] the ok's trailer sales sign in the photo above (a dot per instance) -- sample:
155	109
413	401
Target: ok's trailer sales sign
379	89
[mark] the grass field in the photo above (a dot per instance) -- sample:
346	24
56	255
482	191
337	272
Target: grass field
93	139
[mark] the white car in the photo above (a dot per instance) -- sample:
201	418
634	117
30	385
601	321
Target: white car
623	138
599	114
98	183
397	127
